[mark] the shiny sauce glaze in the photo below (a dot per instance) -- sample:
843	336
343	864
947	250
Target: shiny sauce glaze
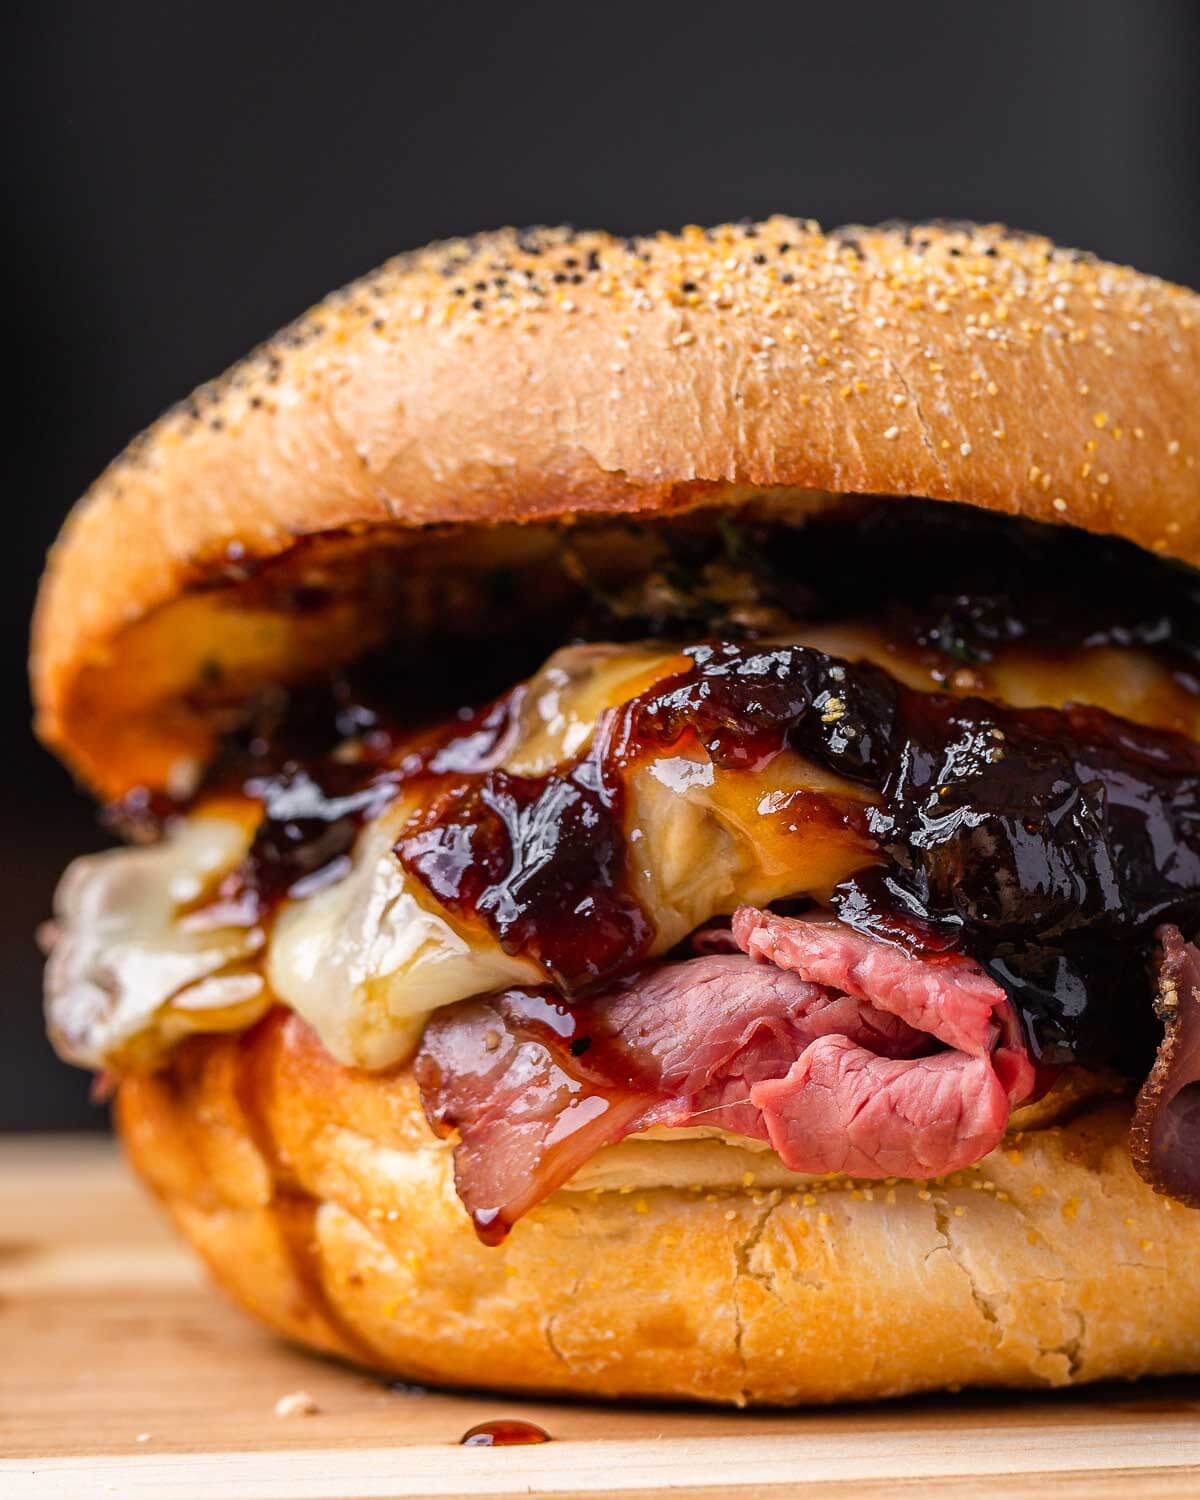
504	1432
1047	843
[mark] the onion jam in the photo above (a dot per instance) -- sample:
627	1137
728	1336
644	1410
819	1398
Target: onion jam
1048	843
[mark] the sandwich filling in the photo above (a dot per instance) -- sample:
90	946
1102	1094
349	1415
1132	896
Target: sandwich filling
849	869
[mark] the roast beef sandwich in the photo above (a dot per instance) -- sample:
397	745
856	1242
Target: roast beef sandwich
662	789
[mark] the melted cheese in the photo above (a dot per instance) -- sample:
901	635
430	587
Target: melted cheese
126	977
703	841
365	960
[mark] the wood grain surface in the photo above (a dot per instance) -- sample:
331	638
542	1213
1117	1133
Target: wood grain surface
124	1374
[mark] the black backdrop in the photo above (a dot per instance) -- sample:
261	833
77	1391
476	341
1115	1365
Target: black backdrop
184	177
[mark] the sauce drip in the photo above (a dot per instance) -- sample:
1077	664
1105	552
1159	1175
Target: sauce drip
505	1432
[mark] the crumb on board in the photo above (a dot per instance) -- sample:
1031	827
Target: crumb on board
296	1404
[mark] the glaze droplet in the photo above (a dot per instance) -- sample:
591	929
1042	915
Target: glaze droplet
508	1432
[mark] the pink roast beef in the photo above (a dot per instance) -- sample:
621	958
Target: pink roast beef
844	1053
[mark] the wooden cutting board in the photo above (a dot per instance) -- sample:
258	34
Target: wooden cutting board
124	1374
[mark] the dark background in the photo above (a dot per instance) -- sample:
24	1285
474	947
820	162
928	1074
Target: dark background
185	177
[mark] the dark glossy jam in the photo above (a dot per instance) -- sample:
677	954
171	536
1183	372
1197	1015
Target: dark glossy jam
1051	842
541	860
316	800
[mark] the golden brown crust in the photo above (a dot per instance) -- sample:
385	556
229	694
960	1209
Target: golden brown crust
321	1201
550	375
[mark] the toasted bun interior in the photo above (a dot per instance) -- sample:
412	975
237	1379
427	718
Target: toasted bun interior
356	476
320	1200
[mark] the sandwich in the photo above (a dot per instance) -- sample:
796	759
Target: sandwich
660	791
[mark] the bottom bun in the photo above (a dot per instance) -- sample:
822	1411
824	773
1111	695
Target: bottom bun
323	1204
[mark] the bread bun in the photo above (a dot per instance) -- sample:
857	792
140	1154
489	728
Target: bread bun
321	1201
546	376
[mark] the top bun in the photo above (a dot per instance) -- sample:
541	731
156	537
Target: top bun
548	376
